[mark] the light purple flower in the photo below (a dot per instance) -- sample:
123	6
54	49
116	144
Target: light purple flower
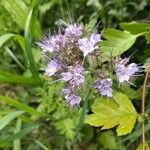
66	91
122	73
52	43
104	86
125	72
73	100
77	80
74	30
66	76
132	68
53	66
95	38
70	97
87	46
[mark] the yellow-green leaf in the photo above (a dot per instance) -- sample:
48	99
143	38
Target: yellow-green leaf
146	147
114	112
116	43
137	28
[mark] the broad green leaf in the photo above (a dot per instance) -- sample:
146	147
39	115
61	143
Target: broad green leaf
20	105
136	133
5	37
17	10
114	112
147	36
8	118
137	28
116	43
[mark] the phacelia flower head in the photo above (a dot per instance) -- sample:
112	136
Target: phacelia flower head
125	71
52	67
67	51
104	86
88	45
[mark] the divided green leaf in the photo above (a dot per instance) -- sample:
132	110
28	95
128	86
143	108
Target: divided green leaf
116	43
115	112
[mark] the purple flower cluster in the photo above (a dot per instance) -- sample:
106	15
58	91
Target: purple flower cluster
74	75
73	37
125	71
74	78
67	51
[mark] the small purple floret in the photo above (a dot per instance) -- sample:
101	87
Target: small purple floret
66	76
104	86
52	43
74	30
87	46
75	75
95	38
125	72
53	67
71	98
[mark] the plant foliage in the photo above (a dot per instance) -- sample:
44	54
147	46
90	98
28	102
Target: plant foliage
116	112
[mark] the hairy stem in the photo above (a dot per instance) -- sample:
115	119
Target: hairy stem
143	106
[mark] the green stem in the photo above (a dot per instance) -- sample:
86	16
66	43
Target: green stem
84	109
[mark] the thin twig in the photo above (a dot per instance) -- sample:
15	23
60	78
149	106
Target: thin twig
143	106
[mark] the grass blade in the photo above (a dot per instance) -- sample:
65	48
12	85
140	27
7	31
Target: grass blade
5	37
14	58
41	145
8	118
21	106
6	77
18	135
33	66
17	141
